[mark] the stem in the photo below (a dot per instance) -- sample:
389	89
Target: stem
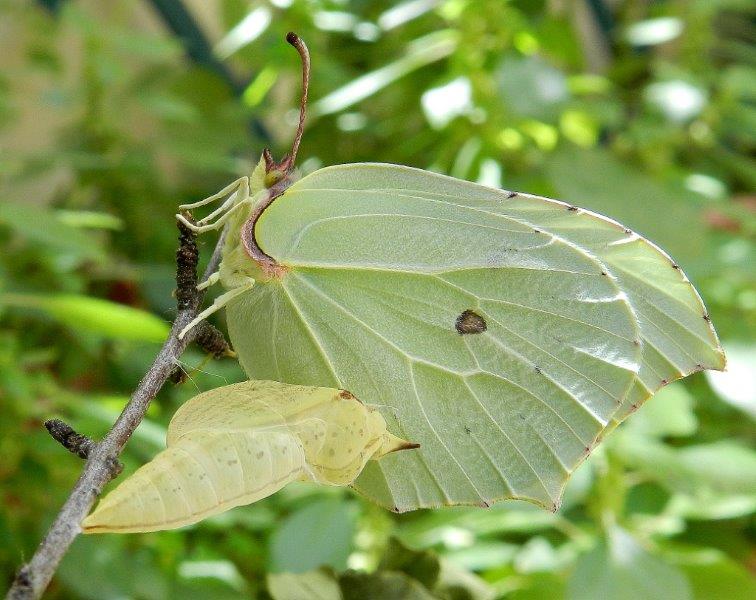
34	577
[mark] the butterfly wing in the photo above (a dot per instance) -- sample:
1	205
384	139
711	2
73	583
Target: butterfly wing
678	338
504	349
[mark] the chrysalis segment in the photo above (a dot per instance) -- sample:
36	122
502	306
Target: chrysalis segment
199	477
240	443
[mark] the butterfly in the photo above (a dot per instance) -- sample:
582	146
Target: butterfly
504	332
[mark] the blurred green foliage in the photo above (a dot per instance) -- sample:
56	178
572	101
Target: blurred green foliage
642	111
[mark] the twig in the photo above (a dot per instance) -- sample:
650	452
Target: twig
77	443
187	257
33	577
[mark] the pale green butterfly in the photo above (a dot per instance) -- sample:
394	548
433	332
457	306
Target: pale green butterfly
504	332
240	443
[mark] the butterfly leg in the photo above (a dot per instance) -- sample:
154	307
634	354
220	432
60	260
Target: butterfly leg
219	303
218	223
212	280
229	189
241	195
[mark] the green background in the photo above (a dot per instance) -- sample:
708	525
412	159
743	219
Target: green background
112	114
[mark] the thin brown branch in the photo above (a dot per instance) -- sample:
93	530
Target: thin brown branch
34	577
76	443
187	258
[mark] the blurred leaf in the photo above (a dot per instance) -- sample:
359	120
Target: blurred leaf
382	585
619	568
221	570
513	517
318	534
723	467
312	585
42	226
704	471
532	88
88	219
670	413
95	315
737	384
457	584
420	52
482	555
714	576
537	554
421	565
103	569
541	586
712	508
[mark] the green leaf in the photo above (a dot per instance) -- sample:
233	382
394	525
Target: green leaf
720	468
102	317
42	226
713	576
87	219
312	585
424	566
110	571
318	534
532	88
670	414
620	569
382	585
421	52
737	385
541	586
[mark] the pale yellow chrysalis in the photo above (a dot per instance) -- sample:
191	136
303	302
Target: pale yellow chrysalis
239	443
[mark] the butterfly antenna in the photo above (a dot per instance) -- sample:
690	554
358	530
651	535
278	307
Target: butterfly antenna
304	54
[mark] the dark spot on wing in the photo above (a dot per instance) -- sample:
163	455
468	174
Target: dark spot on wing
470	322
345	395
538	369
511	195
628	231
707	318
604	273
675	266
572	208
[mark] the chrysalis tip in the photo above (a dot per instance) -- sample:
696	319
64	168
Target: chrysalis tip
393	443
